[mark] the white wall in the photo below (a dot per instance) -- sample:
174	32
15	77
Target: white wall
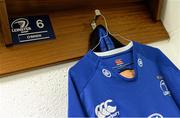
171	21
43	93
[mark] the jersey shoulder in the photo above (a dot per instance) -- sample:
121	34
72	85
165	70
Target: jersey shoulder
148	52
83	71
156	55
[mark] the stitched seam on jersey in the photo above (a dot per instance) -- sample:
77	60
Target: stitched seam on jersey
90	78
142	53
168	65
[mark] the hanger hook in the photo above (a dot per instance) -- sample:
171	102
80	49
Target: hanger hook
93	25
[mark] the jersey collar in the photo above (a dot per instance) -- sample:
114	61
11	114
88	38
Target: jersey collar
97	57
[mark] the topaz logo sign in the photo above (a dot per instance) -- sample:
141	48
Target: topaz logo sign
106	72
105	110
20	25
164	88
140	62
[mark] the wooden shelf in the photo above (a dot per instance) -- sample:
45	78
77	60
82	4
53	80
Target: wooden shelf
72	31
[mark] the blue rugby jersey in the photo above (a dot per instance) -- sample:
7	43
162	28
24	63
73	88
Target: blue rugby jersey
96	89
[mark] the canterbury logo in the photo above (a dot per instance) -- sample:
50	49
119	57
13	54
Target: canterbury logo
164	88
104	110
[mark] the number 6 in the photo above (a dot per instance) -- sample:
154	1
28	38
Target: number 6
39	23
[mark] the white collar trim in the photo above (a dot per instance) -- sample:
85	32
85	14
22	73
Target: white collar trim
114	51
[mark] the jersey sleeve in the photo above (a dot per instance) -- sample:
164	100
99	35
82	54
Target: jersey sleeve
171	75
75	107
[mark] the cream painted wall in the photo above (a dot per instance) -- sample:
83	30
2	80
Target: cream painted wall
43	93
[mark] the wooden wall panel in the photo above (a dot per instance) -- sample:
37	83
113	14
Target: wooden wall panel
155	8
34	6
72	29
4	23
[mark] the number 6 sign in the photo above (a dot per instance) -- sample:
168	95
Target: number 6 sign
31	28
